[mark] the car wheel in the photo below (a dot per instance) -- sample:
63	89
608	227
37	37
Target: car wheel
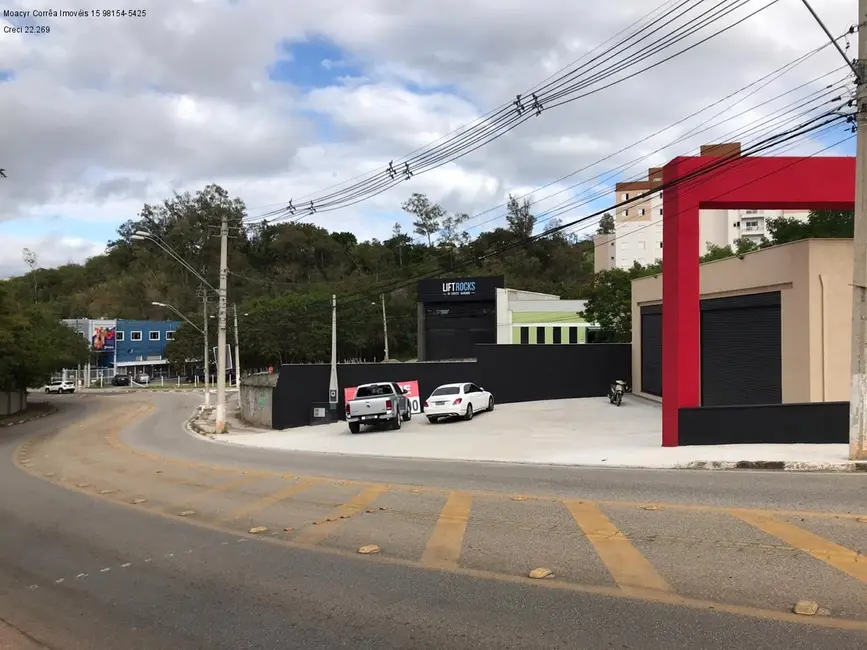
491	403
48	391
396	422
354	427
469	413
433	419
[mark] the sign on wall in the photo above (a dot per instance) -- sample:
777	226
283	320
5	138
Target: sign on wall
103	339
446	290
412	394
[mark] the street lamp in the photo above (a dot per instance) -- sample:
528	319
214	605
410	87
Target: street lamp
179	313
143	235
206	366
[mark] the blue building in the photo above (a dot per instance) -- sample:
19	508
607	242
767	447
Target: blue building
120	346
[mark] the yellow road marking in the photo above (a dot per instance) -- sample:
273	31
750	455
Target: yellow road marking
444	547
841	558
219	488
314	534
271	499
630	569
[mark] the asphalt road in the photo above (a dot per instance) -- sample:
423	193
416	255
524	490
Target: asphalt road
119	530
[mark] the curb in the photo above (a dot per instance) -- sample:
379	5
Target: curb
51	410
778	465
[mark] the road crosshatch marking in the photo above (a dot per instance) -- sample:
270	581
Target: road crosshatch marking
444	546
626	564
319	532
270	499
632	573
841	558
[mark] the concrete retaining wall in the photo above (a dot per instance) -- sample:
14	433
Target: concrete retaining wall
256	398
11	403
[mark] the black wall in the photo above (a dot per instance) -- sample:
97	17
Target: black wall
513	373
817	423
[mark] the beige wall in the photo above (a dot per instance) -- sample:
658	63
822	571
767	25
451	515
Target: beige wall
814	278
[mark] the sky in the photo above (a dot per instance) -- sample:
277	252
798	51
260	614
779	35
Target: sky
278	100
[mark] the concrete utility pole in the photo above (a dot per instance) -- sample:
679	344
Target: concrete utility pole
237	349
220	424
332	384
206	365
384	325
858	390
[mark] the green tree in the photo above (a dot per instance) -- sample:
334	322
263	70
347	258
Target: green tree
428	216
819	224
520	218
609	303
606	224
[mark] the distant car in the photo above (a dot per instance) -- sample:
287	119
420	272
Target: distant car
60	387
143	378
382	402
457	400
120	380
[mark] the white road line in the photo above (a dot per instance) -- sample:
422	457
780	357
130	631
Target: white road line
105	570
125	565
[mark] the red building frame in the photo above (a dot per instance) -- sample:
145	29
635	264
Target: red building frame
811	183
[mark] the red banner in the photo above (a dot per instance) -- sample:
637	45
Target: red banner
412	395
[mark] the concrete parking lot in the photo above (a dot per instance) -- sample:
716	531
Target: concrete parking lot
587	431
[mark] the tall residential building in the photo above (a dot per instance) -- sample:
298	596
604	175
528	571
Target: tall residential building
637	233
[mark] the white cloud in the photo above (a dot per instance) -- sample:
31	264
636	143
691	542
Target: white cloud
105	114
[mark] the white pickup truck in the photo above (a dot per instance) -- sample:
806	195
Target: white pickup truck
376	404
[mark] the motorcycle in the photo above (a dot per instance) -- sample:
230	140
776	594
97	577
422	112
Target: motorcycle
616	391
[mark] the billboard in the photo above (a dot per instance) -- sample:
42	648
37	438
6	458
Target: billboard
103	339
412	395
482	288
229	360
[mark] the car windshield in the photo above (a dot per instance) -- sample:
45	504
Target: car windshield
374	390
446	390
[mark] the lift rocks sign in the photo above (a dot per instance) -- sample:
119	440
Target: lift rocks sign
463	288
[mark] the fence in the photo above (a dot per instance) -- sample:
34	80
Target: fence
12	402
513	373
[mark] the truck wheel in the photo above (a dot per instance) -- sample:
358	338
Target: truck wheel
354	427
396	422
407	416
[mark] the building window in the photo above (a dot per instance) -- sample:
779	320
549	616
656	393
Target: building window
170	336
558	335
626	196
540	335
641	246
624	245
626	212
118	336
153	336
660	211
525	336
641	212
573	335
135	336
751	225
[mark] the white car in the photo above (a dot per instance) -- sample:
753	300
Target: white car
60	387
457	400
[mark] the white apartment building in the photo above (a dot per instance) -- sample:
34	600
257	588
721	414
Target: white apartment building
638	225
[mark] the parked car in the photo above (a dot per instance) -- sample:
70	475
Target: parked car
120	380
376	404
457	400
60	387
143	378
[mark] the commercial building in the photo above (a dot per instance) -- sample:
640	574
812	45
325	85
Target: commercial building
455	315
775	326
122	346
637	233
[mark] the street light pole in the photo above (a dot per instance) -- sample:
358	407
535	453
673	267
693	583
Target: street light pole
220	424
206	361
332	384
858	389
384	326
237	349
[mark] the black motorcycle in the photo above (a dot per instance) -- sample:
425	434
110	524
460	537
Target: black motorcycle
616	391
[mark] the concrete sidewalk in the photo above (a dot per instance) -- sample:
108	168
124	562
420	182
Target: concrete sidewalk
579	432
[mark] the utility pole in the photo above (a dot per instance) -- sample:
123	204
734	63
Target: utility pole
220	424
858	390
206	360
237	349
384	325
332	384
